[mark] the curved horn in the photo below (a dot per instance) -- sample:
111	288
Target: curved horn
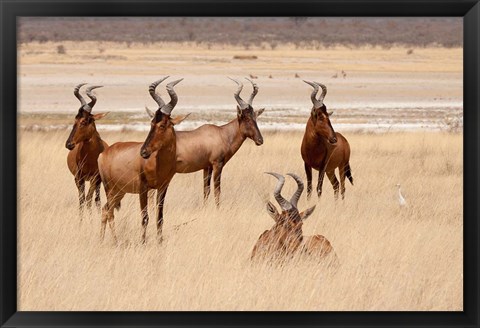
315	102
92	103
284	204
255	91
239	100
77	94
298	193
324	92
167	109
155	96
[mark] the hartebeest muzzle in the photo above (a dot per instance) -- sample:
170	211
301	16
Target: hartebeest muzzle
145	154
70	145
259	141
332	140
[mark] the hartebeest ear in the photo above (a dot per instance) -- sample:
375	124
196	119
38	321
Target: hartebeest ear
99	116
259	112
305	214
178	119
272	211
149	112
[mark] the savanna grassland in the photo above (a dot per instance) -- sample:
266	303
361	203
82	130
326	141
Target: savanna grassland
394	85
392	258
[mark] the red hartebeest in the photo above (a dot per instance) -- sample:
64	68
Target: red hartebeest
286	238
129	167
210	147
324	149
85	146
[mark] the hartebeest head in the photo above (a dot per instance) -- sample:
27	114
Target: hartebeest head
247	116
319	115
84	127
288	222
161	128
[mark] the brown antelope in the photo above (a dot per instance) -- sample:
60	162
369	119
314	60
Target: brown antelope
324	149
210	147
85	145
135	167
285	238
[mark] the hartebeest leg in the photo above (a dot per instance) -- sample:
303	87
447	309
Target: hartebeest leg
113	199
308	172
98	204
104	221
207	177
342	181
144	209
160	200
333	179
91	190
81	194
321	175
217	176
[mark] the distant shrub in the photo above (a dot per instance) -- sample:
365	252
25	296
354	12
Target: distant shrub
243	57
411	32
61	50
453	123
409	51
42	39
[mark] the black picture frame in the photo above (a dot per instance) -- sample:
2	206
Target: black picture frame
10	10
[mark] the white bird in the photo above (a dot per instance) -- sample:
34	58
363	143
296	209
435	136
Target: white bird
401	199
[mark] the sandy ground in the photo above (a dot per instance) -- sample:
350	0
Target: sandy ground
377	79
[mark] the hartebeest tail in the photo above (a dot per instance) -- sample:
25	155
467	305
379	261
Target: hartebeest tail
85	146
286	238
136	167
210	147
323	149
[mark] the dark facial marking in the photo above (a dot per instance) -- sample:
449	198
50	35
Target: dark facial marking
158	116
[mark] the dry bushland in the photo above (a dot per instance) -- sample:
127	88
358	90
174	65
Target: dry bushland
392	258
304	32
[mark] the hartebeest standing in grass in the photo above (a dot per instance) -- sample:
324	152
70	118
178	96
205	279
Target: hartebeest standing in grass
285	239
136	167
85	146
324	149
210	147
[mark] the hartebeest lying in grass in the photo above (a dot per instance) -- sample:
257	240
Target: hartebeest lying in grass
85	145
285	239
210	147
135	167
324	149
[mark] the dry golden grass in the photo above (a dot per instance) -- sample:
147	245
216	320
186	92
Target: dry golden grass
392	258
